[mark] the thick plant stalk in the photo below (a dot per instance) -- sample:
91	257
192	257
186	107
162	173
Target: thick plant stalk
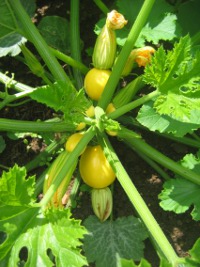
128	120
125	52
101	6
70	61
139	204
134	104
137	143
75	39
34	127
33	35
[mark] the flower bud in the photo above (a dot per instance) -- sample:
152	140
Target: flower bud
105	49
32	62
115	20
143	55
102	202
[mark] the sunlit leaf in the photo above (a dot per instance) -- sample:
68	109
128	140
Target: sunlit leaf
151	119
176	76
179	194
45	238
15	188
161	23
61	96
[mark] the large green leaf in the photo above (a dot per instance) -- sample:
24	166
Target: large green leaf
161	23
54	236
61	96
123	237
45	237
151	119
55	31
176	76
15	188
178	194
10	39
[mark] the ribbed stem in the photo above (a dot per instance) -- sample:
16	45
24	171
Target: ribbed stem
123	56
134	104
75	40
102	6
33	35
130	138
70	61
139	204
35	127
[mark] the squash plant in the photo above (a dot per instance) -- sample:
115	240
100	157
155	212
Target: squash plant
43	233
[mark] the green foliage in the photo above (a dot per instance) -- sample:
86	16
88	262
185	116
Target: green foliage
55	31
10	39
63	97
106	240
32	236
161	24
130	263
15	189
149	118
178	194
47	237
176	76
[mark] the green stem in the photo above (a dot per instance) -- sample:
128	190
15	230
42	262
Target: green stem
139	203
102	6
134	104
123	56
34	127
127	120
75	39
196	137
41	159
10	98
10	82
70	160
33	35
70	61
154	165
135	141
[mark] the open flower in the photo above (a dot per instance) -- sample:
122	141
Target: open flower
115	20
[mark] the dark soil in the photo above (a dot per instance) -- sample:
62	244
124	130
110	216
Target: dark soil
181	230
